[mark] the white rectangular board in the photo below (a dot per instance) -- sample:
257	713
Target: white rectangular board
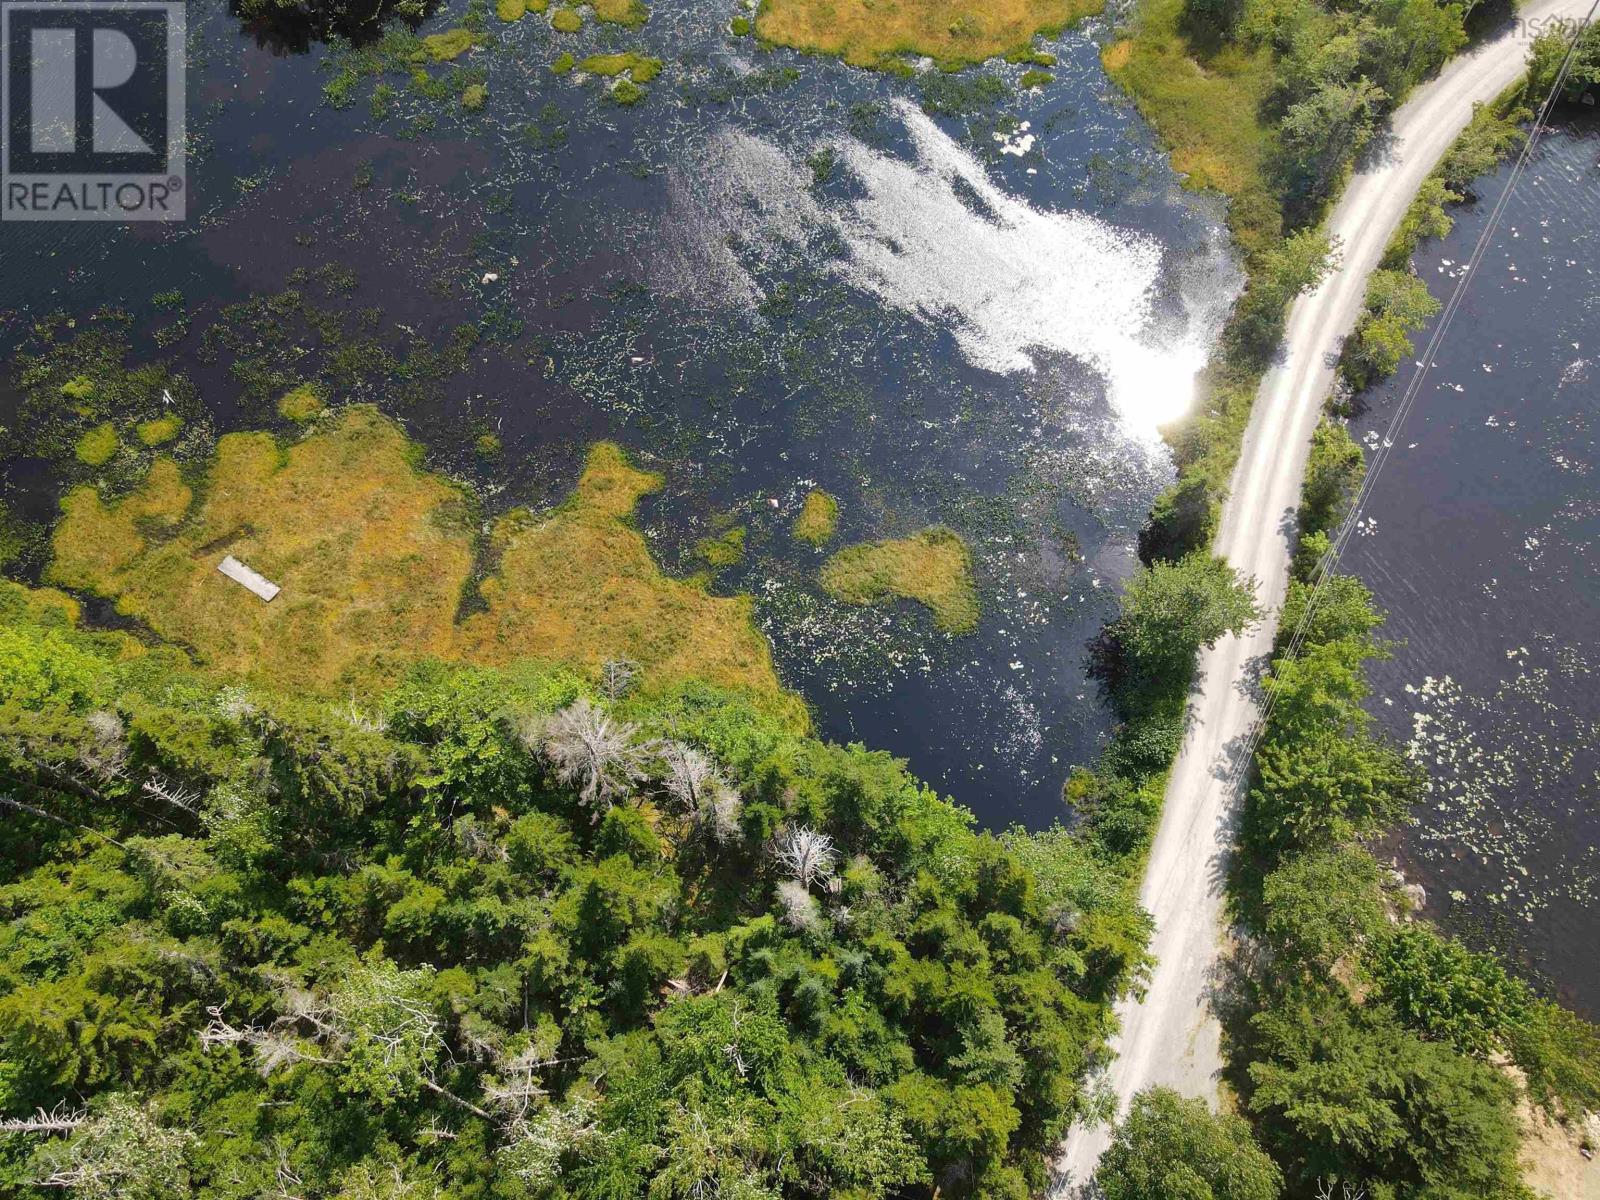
241	574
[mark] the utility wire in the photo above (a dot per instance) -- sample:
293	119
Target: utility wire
1330	559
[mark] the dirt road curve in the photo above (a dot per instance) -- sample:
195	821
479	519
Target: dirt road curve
1172	1038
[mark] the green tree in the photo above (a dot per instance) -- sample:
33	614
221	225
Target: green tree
1323	905
1170	1148
1446	992
1172	610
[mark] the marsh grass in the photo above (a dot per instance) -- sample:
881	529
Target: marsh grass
96	447
818	519
1205	102
449	45
374	555
932	567
881	33
158	430
641	68
631	13
724	550
300	404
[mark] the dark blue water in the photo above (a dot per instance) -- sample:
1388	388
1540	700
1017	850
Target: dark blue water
936	328
1481	545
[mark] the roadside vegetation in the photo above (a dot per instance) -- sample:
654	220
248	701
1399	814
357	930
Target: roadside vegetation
1398	303
1369	1050
1268	103
888	35
513	934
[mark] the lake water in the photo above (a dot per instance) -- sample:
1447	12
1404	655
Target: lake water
1480	541
775	273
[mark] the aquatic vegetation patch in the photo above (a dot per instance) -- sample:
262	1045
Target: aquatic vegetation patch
879	34
374	556
300	404
158	430
96	447
724	550
641	68
510	10
626	92
933	567
566	20
449	45
631	13
474	96
819	517
564	63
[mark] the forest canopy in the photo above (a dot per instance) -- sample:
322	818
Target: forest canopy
499	933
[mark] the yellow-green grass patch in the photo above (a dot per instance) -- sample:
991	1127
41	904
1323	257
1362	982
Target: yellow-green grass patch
474	96
631	13
579	586
566	20
510	10
818	519
449	45
641	67
300	404
932	567
374	554
1206	107
159	430
724	550
872	33
96	447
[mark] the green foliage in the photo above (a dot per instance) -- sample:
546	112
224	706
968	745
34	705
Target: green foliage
1322	906
1446	992
1170	1148
1550	49
1344	1093
1559	1053
1335	469
1322	776
1292	266
393	949
1170	610
1397	305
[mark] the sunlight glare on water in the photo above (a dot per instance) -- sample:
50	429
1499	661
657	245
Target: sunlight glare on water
935	236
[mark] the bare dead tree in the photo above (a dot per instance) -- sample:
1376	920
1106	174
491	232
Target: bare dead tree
106	754
121	1149
1347	1191
806	855
799	906
617	676
590	749
711	803
160	788
376	1007
59	1119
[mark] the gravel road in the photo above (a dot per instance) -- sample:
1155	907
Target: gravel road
1172	1036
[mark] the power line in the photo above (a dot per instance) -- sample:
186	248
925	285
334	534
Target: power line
1330	559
